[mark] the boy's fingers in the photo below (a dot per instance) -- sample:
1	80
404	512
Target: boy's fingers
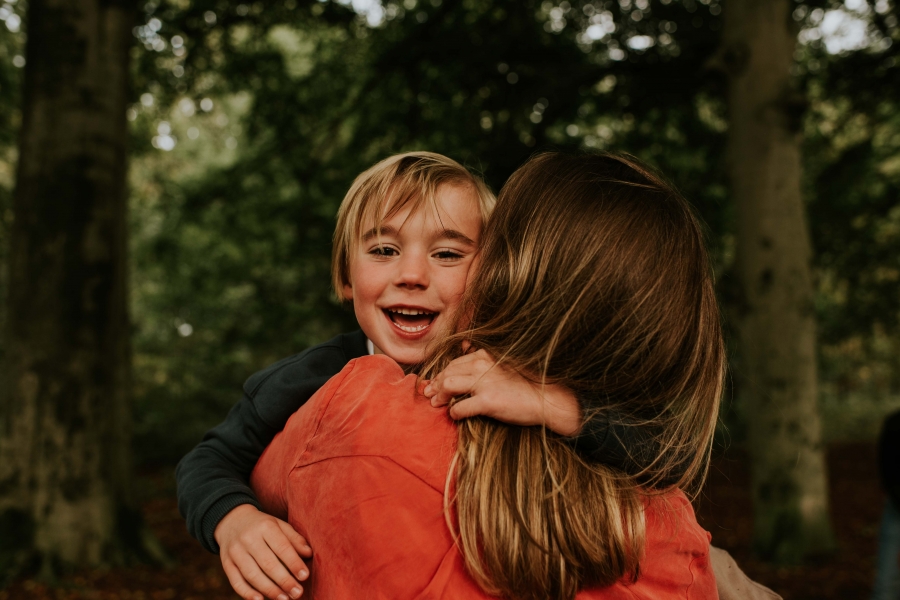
290	567
435	391
254	572
461	364
242	589
454	385
462	376
487	405
469	407
272	553
275	571
297	541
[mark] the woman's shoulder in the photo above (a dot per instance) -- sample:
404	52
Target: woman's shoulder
676	559
675	562
376	363
375	389
376	410
366	378
670	516
367	382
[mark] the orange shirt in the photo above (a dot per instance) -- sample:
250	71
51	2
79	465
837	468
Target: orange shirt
360	471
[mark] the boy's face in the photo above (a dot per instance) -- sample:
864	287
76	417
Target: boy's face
407	280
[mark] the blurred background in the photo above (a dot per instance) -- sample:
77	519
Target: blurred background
249	120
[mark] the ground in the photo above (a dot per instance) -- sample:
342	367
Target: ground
723	508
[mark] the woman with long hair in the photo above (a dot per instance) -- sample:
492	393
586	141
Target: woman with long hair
592	275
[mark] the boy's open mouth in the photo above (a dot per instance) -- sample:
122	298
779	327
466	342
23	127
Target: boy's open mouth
410	320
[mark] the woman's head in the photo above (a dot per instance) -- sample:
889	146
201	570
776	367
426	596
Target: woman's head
593	274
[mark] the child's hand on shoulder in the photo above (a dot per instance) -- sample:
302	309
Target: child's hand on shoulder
261	555
500	393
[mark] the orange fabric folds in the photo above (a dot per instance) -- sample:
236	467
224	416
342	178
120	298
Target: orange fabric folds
359	471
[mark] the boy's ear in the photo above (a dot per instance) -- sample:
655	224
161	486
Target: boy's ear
348	291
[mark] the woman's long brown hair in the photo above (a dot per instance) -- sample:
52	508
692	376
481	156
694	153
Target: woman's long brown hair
593	275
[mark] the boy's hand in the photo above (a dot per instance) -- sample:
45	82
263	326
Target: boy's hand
497	392
261	554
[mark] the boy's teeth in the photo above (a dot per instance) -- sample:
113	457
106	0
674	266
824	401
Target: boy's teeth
411	320
410	311
411	329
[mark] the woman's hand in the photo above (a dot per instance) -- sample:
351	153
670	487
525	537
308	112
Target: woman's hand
261	554
501	393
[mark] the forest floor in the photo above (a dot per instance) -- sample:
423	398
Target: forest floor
724	508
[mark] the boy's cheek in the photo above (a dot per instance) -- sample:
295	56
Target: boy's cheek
463	321
473	267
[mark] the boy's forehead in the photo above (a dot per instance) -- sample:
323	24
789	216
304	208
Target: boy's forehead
453	201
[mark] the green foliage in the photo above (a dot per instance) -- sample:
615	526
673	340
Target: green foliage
852	152
240	251
11	62
232	230
251	119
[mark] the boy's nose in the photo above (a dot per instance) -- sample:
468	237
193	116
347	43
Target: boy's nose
412	272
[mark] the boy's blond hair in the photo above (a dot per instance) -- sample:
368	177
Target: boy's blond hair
409	179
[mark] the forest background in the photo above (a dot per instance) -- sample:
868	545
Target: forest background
248	121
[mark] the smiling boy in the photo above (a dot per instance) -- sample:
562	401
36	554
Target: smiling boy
405	275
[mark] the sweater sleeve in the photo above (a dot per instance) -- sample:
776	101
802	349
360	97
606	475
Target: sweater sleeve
213	477
610	439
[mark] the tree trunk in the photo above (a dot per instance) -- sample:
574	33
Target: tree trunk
776	323
65	462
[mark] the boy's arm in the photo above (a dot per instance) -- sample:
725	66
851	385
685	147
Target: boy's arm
259	553
502	394
214	477
262	556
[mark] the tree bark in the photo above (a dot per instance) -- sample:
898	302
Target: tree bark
776	324
65	460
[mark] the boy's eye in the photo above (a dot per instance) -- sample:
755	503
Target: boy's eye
383	251
447	255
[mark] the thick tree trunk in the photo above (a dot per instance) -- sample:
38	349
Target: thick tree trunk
65	463
777	324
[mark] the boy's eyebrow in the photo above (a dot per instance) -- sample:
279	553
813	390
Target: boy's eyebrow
377	231
452	234
448	234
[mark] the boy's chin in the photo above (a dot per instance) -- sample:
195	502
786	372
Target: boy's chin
408	359
408	354
412	352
